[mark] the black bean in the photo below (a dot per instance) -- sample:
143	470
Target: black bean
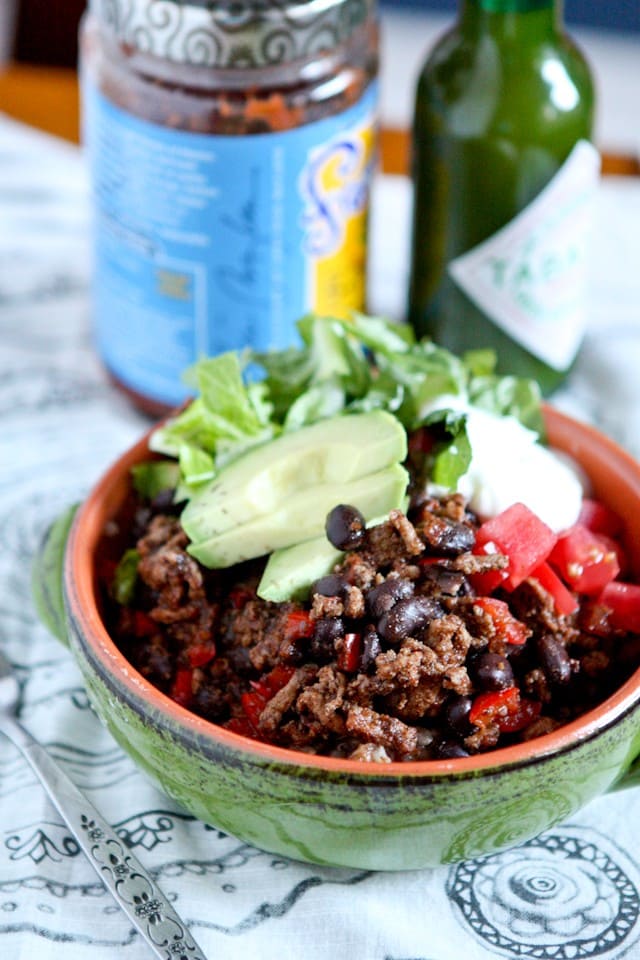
326	632
345	527
449	750
456	714
492	671
371	647
437	579
380	599
554	659
408	617
446	536
333	585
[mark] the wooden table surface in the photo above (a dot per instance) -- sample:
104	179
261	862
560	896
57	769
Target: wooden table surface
47	98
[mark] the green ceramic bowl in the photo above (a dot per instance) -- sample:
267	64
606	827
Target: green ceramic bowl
341	812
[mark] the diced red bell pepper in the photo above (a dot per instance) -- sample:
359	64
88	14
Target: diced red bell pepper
507	627
521	536
253	703
505	708
143	625
278	678
349	656
181	688
600	518
584	561
255	700
298	625
563	600
199	654
240	596
241	725
623	599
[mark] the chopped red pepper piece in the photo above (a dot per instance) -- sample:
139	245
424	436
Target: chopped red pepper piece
505	708
241	725
181	689
505	624
143	625
584	561
240	596
199	654
278	678
298	624
253	703
564	601
349	655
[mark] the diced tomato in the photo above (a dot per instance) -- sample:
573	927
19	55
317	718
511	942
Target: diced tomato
521	536
181	688
504	708
584	560
623	599
143	625
507	627
298	624
199	654
349	655
612	544
599	518
564	601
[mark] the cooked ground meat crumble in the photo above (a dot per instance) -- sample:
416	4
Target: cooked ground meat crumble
394	656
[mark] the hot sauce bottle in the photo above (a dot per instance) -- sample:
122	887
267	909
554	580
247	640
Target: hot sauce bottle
504	175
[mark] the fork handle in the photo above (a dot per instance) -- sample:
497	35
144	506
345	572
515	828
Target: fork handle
122	874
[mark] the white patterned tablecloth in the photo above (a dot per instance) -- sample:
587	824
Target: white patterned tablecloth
574	892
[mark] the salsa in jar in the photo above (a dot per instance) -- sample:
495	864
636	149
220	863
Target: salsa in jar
231	149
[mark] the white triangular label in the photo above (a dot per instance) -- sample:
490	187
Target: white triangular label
530	277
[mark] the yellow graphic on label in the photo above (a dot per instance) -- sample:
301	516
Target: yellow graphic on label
335	185
177	286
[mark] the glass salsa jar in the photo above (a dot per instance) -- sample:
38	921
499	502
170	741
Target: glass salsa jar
231	148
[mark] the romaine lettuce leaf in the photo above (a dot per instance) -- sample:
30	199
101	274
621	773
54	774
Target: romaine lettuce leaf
358	364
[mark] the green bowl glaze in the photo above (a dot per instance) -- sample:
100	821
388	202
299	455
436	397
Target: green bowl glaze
324	810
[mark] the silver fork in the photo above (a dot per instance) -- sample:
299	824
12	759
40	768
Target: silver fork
124	877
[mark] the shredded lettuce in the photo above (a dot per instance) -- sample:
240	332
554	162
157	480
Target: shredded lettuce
154	476
360	364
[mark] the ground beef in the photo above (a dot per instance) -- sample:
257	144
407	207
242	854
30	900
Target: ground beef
393	657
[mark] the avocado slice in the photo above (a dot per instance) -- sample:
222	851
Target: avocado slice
302	516
335	451
290	572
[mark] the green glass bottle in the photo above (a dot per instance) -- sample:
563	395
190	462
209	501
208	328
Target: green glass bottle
504	174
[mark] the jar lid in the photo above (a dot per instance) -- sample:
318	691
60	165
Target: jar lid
235	34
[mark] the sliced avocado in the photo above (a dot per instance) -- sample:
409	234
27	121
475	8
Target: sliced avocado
330	452
290	572
302	516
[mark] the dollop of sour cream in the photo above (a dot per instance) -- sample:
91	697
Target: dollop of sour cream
509	465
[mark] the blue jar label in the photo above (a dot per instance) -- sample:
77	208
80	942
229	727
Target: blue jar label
205	243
